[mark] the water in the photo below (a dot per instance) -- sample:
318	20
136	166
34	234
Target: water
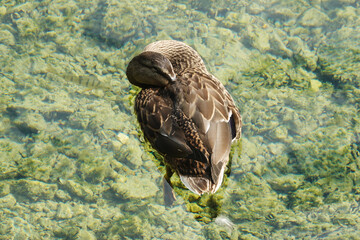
74	164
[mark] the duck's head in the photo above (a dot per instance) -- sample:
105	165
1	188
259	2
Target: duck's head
150	69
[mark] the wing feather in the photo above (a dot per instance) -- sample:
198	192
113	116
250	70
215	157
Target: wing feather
212	118
154	111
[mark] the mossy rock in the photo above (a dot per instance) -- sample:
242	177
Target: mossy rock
339	57
33	190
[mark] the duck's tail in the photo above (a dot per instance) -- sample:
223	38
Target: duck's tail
201	185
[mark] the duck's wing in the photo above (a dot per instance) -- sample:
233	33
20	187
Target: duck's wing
154	111
207	103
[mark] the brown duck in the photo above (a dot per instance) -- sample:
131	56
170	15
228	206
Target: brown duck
185	113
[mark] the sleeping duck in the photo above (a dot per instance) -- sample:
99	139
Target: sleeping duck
185	113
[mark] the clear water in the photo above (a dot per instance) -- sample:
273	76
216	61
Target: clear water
74	164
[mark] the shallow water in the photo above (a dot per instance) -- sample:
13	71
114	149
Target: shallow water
74	163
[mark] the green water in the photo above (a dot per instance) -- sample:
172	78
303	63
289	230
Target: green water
74	164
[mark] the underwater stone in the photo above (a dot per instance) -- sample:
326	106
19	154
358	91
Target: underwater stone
278	46
107	214
276	148
62	195
7	38
307	197
7	202
39	207
135	187
122	20
339	57
336	190
132	227
2	10
259	169
80	120
34	190
116	145
85	235
302	53
259	38
314	18
63	166
63	211
38	66
4	189
348	14
251	148
131	153
23	7
231	20
302	124
279	133
255	8
38	150
97	172
9	155
156	209
290	182
27	27
214	232
30	123
283	13
78	190
202	49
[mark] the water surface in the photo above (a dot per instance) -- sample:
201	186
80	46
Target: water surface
74	164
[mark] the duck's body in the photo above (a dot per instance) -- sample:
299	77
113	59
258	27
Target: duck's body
185	113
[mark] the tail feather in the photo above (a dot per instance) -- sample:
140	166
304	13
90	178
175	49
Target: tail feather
201	185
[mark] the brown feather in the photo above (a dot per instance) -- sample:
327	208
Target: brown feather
191	121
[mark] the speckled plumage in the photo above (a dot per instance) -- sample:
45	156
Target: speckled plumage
191	120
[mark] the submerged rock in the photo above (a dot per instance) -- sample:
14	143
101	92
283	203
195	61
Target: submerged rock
120	21
34	190
8	201
4	188
287	183
314	18
85	235
135	187
64	211
7	38
339	57
79	190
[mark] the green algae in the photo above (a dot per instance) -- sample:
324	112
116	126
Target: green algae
333	53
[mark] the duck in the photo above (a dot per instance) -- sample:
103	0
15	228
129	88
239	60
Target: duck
185	113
